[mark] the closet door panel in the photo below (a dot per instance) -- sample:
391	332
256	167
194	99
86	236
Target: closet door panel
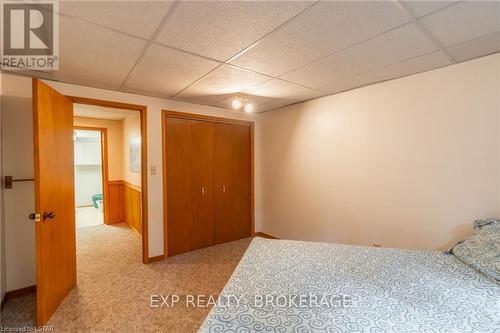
240	183
201	182
222	170
231	182
179	186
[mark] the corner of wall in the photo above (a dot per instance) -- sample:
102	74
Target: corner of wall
2	219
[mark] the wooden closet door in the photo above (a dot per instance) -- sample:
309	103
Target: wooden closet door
231	182
189	184
201	183
178	162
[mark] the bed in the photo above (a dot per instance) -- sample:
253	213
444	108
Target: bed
377	290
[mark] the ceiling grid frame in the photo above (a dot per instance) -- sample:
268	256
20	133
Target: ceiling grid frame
227	62
424	30
150	42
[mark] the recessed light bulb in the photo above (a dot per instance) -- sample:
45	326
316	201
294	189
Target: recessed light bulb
248	107
236	103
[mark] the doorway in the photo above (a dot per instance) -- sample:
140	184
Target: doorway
90	163
54	216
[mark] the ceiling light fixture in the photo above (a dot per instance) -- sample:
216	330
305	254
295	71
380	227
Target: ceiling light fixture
236	103
240	103
248	107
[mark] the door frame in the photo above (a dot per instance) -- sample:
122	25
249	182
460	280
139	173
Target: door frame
104	165
144	160
165	114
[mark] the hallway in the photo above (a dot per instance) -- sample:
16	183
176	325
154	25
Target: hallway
88	217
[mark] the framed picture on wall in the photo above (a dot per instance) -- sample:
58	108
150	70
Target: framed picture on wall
134	156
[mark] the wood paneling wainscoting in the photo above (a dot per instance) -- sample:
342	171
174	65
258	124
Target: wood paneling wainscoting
125	204
132	206
115	202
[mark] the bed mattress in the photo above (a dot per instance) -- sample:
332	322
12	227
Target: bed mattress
295	286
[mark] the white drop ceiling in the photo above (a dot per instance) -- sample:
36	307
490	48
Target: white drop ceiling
273	53
99	112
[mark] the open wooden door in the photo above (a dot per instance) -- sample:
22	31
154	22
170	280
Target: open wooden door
54	198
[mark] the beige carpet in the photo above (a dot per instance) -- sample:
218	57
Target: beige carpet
114	287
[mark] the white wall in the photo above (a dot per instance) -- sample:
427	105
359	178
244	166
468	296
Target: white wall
405	163
21	129
131	132
2	224
114	129
88	182
18	202
88	169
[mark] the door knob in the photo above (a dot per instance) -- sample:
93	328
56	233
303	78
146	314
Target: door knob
48	215
34	216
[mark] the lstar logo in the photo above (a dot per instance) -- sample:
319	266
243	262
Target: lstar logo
29	33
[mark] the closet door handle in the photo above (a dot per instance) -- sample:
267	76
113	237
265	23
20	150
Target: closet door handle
223	188
203	190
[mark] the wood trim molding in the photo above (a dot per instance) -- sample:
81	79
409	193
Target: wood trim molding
135	231
156	258
105	103
252	181
264	235
132	186
176	114
17	293
164	114
104	165
144	159
192	116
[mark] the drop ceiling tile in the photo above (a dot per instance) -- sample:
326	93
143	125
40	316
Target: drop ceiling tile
416	65
275	89
325	28
166	71
397	45
220	29
143	92
92	55
301	96
224	80
139	18
476	47
203	99
48	75
273	105
464	21
306	94
93	111
420	8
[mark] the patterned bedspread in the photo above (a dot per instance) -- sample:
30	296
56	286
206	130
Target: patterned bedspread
289	286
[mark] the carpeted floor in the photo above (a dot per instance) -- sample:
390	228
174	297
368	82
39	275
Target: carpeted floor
114	288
